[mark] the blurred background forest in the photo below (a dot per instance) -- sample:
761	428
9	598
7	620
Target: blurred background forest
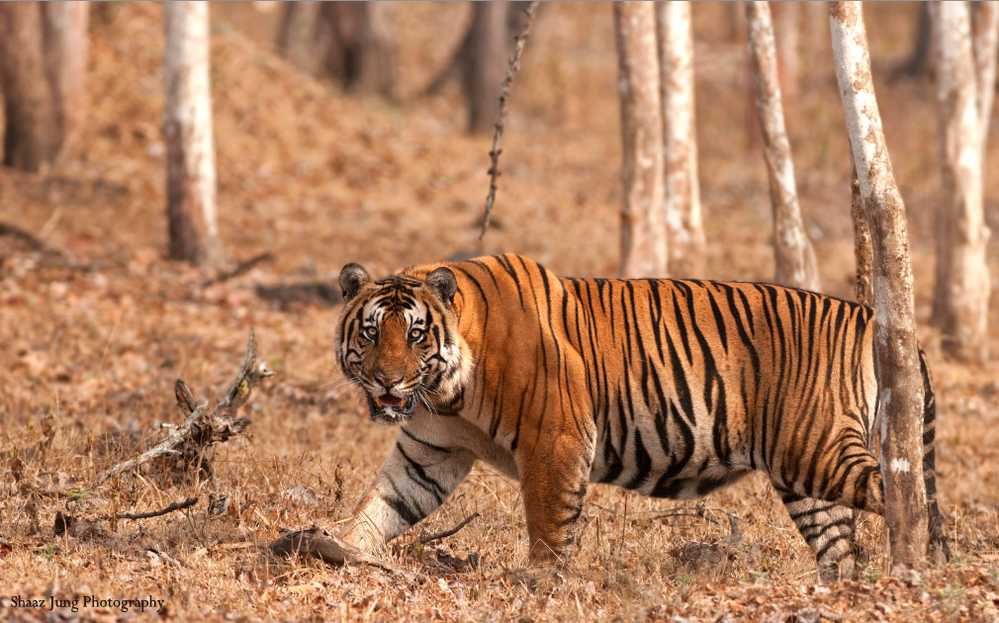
316	168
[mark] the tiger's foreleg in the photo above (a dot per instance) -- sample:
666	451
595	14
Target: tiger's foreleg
555	475
415	479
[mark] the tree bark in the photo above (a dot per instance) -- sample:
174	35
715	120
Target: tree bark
900	383
643	232
356	46
187	130
30	133
862	251
682	206
67	48
962	288
794	256
483	73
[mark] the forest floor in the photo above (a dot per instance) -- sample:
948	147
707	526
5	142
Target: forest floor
318	178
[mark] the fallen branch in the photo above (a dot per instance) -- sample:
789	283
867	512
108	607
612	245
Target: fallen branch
38	245
240	269
174	506
203	428
319	543
430	538
494	154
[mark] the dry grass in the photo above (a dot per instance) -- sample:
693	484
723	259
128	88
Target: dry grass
320	179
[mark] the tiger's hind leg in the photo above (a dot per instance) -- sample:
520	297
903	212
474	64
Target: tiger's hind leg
828	529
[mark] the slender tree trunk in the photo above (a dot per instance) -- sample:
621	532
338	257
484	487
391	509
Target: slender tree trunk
67	48
643	232
30	133
682	206
483	73
356	45
962	289
862	251
900	383
985	38
787	17
289	11
795	258
187	130
915	65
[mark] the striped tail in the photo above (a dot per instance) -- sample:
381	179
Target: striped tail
938	542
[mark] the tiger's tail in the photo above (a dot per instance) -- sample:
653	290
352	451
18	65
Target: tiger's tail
938	542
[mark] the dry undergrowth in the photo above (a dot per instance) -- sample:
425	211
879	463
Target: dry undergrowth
318	179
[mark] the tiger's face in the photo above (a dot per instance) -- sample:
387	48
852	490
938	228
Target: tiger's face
398	340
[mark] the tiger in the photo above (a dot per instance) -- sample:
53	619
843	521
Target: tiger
669	387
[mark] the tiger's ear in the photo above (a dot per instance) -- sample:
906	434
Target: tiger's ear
443	284
352	279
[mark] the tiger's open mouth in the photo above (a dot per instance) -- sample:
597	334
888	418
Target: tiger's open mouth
389	408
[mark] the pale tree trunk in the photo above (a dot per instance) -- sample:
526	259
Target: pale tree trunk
862	251
985	39
66	51
794	256
187	130
684	225
30	133
355	45
900	383
643	232
962	288
483	72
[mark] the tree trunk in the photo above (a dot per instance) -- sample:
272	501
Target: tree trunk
962	288
985	38
915	65
289	11
862	251
66	51
187	130
794	256
30	133
684	226
355	45
643	232
900	383
787	16
483	73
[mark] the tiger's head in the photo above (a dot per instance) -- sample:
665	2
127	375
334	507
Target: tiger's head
397	338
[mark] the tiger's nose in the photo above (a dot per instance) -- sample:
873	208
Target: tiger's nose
388	383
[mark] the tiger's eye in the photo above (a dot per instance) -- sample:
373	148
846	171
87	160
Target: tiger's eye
416	335
370	333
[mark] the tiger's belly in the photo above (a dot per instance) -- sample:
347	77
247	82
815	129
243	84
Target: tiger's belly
661	462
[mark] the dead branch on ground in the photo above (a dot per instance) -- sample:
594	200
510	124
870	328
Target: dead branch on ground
240	269
494	154
437	536
39	246
203	428
319	543
174	506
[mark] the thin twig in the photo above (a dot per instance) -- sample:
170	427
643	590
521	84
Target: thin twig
175	506
511	69
423	540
